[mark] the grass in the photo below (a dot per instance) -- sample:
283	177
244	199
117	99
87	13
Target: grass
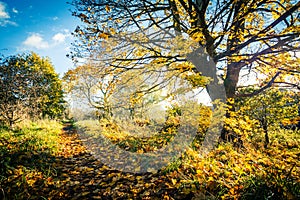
32	136
27	155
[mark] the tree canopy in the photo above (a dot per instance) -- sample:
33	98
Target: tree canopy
260	36
29	87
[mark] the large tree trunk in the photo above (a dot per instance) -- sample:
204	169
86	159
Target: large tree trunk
206	66
217	90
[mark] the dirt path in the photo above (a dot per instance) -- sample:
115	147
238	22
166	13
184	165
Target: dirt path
80	176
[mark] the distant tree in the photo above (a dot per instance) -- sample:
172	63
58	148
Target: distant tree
106	90
133	91
29	87
94	85
269	108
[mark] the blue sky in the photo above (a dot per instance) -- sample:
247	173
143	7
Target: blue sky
36	25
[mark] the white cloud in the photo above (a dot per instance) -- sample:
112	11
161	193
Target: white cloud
7	22
3	13
55	18
35	40
4	16
59	38
15	10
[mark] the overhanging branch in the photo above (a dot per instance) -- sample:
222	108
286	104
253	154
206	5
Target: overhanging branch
270	83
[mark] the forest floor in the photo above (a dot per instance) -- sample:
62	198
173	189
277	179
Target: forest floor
76	174
50	160
83	176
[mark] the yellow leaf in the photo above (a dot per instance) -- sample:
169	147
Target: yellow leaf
107	8
174	181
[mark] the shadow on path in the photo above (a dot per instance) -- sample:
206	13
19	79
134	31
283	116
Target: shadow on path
81	176
74	174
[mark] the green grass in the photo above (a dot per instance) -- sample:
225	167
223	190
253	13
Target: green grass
27	155
32	136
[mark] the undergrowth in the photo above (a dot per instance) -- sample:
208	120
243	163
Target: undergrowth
30	152
27	155
228	172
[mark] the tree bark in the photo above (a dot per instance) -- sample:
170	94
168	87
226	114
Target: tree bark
231	80
207	67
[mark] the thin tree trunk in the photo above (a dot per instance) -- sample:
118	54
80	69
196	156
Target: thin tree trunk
265	128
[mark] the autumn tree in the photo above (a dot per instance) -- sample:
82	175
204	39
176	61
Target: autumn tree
29	87
110	91
188	40
135	94
94	84
256	35
270	109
